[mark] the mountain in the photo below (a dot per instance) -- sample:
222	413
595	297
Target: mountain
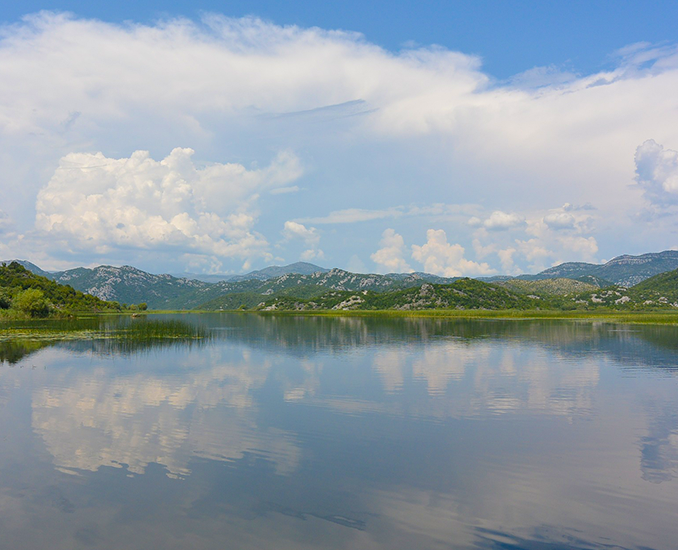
569	270
461	294
274	271
271	272
129	285
311	286
630	270
623	270
205	278
423	277
305	281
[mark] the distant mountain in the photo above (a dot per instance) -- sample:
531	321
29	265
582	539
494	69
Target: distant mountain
308	281
569	270
271	272
205	278
274	271
129	285
623	270
309	286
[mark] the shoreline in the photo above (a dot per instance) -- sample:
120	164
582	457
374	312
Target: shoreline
630	317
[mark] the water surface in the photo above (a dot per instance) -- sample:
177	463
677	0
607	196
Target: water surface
302	433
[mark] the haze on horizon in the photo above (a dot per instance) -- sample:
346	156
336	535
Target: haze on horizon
228	142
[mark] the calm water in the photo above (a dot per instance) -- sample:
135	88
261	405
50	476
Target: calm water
300	433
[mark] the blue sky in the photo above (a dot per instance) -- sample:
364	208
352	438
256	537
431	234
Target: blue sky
461	138
511	37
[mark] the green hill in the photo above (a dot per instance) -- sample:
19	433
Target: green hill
548	287
462	294
23	291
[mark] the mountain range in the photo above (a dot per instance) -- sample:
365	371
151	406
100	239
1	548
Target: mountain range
129	285
623	270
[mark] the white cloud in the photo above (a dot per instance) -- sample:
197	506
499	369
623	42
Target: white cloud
657	173
445	128
390	255
442	258
309	235
583	247
294	230
354	215
560	220
506	258
501	221
98	203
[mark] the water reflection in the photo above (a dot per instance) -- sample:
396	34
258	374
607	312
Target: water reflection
346	433
94	419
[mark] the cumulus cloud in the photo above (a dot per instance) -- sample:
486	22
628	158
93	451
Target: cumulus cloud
309	235
74	84
442	258
501	221
98	203
657	173
537	238
506	259
390	255
560	220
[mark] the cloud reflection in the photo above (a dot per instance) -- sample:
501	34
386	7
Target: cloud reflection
100	419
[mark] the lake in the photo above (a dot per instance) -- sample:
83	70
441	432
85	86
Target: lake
284	432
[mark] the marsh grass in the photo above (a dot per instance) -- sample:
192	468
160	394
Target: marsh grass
19	338
663	318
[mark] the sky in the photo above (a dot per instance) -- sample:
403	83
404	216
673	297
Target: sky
454	138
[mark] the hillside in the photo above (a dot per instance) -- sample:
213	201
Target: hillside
129	285
548	287
568	270
15	278
315	284
462	294
625	270
271	272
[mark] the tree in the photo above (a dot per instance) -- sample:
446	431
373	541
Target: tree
143	306
32	302
5	299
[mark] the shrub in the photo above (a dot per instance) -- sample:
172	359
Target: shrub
32	302
5	299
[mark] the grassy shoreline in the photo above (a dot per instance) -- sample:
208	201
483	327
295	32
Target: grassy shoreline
631	317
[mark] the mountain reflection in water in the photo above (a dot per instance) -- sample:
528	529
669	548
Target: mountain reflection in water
345	432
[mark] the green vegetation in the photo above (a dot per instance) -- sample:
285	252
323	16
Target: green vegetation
32	302
24	294
102	334
549	287
463	294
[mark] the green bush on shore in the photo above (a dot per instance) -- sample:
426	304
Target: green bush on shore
32	302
